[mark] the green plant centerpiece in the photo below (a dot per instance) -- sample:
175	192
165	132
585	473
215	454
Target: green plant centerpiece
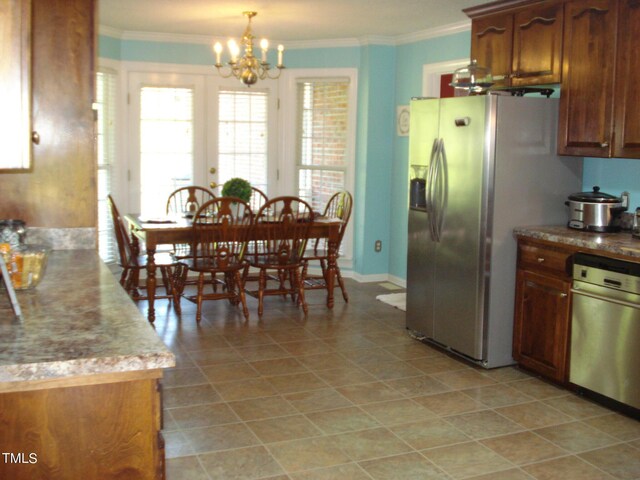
237	187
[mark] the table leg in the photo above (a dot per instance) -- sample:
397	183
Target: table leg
151	281
331	271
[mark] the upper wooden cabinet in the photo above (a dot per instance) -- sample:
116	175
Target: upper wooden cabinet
520	41
599	114
626	140
15	78
491	45
586	102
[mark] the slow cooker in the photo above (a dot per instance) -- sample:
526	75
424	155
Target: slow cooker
595	211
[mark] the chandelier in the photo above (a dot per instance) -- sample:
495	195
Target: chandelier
248	69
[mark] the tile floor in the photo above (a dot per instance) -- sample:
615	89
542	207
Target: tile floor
347	394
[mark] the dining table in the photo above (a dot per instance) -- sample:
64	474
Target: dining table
154	232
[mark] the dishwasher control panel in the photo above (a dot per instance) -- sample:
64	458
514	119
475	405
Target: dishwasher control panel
607	272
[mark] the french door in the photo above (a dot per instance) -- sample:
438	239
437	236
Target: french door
198	130
167	142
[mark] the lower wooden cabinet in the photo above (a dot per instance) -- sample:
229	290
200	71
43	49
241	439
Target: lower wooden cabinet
542	308
104	431
541	328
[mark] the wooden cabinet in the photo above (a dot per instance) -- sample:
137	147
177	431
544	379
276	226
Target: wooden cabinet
626	96
586	102
537	45
89	431
541	325
491	44
521	44
59	191
598	106
15	79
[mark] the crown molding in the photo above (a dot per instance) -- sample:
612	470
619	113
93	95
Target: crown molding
450	29
302	44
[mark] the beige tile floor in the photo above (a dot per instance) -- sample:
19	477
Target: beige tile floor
347	394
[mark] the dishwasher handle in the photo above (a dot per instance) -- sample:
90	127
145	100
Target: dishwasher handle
605	299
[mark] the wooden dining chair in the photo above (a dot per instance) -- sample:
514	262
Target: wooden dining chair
339	206
220	232
186	201
282	226
258	199
132	263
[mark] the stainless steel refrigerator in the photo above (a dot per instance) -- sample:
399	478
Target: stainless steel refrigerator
488	164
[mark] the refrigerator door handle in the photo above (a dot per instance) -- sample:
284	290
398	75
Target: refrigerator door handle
442	199
435	213
434	150
429	187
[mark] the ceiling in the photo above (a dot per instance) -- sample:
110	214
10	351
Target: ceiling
283	20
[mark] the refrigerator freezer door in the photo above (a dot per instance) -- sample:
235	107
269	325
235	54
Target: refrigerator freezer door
459	264
421	248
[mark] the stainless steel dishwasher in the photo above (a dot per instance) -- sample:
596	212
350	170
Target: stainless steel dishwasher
605	327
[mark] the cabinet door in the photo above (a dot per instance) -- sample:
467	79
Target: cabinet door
627	90
541	325
491	41
585	123
15	79
537	45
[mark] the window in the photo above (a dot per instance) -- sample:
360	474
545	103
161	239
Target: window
106	148
322	139
242	136
166	145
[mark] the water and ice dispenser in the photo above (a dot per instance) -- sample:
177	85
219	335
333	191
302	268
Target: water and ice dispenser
417	186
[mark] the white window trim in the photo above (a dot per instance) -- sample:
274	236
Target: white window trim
431	73
288	118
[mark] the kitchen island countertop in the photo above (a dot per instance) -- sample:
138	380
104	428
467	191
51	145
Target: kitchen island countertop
77	322
621	243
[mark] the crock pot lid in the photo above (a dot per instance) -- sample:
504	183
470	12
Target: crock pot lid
595	196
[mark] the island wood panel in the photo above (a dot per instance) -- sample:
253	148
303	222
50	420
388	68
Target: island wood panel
95	432
60	189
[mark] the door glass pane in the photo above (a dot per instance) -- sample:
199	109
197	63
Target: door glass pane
242	140
166	145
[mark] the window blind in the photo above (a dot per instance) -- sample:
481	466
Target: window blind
242	136
106	81
323	107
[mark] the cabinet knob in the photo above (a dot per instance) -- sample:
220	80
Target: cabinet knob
540	259
563	295
35	137
604	144
213	184
212	170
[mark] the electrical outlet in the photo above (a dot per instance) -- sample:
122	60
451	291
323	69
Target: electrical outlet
378	246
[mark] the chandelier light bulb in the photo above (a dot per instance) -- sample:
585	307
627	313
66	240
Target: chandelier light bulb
264	45
234	50
218	49
280	54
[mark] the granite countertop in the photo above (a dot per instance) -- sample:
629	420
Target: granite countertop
621	243
78	321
